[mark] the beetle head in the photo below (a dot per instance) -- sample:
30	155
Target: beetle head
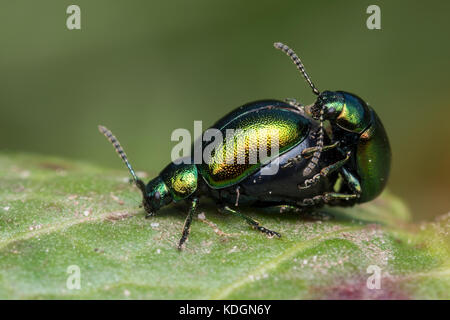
344	109
331	103
155	195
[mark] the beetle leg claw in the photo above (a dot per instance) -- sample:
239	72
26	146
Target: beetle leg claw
293	102
252	222
187	223
325	172
269	233
149	215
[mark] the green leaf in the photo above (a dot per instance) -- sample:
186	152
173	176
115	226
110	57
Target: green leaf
56	213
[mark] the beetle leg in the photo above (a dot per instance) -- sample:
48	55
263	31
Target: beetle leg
289	208
293	102
187	223
330	196
326	198
352	181
291	161
325	172
255	224
311	202
308	153
237	196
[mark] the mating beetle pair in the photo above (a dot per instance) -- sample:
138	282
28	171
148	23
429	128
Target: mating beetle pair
334	152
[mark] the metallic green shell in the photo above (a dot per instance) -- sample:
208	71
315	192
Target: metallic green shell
255	126
181	180
373	157
354	114
348	111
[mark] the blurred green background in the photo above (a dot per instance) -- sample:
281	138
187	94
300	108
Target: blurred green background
145	68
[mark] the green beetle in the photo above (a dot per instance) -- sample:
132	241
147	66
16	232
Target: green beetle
333	152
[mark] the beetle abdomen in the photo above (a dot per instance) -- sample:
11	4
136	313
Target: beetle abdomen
256	129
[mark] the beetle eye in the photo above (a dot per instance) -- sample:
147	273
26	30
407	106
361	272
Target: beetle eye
157	195
331	110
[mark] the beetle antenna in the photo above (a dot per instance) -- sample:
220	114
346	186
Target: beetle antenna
319	143
109	135
298	63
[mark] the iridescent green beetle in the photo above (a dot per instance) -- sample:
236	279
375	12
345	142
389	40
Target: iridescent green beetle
334	152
